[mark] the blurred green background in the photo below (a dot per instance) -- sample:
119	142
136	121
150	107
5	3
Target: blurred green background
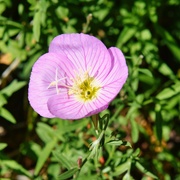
146	112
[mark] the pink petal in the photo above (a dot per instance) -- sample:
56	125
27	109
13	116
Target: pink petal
43	73
117	76
86	52
66	107
95	108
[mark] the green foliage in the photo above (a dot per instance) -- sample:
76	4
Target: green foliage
139	138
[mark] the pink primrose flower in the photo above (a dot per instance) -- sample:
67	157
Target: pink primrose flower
77	78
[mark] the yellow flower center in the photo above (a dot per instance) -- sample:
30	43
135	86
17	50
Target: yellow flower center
84	87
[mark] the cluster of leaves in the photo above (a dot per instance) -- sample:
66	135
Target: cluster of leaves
145	113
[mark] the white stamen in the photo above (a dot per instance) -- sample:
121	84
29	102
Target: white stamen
55	83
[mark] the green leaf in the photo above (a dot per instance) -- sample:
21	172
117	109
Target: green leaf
63	159
44	155
145	171
13	87
158	125
166	70
122	168
134	130
68	174
37	25
2	146
145	71
7	115
127	176
119	143
126	34
66	126
13	165
136	152
3	100
45	132
169	92
169	41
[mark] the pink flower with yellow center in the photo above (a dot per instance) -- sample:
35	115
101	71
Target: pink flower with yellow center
77	78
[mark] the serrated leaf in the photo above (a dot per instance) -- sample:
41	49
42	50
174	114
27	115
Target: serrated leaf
2	146
44	155
7	115
68	174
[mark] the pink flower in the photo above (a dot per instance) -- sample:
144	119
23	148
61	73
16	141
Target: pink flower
77	78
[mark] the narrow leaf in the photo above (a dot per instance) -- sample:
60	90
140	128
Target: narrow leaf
145	171
158	125
13	165
119	143
146	72
126	34
7	115
37	25
13	87
68	174
169	92
134	130
122	168
44	155
63	159
3	100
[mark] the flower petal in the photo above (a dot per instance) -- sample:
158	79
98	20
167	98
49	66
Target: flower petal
66	107
86	52
44	72
117	76
95	109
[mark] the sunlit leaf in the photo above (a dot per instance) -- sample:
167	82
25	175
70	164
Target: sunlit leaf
126	34
7	115
122	168
13	87
2	146
13	165
37	25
